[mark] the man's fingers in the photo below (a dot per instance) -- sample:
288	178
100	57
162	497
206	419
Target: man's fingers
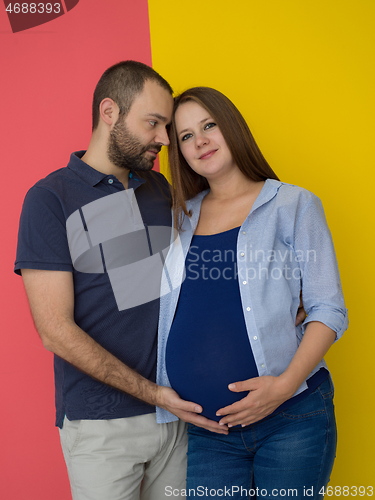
189	406
188	411
171	401
205	423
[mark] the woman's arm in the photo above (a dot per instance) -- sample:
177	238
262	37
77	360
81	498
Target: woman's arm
325	323
267	392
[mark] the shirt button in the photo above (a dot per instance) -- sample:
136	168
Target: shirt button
262	365
255	337
244	282
243	232
110	181
242	254
248	308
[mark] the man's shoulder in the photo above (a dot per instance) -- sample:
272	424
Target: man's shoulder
61	189
73	173
156	183
53	179
154	175
49	191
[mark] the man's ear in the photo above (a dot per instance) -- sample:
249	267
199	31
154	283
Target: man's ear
109	111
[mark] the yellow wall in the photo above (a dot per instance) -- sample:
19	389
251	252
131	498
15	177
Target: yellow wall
302	73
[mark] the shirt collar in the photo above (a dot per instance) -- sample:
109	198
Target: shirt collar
268	191
93	176
83	170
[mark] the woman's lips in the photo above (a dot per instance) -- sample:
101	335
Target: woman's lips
208	154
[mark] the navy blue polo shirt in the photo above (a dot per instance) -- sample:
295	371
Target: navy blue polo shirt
128	333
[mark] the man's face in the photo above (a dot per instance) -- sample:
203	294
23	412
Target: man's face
135	141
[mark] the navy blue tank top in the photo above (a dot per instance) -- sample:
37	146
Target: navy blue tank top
208	345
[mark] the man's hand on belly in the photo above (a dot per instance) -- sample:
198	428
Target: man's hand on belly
168	399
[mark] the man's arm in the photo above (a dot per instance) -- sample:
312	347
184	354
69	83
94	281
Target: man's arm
51	299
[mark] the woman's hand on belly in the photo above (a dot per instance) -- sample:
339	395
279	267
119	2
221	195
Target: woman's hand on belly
186	410
266	394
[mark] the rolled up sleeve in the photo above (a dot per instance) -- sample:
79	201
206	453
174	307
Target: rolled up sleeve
321	287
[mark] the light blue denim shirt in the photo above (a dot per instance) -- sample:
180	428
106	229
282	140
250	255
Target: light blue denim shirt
284	247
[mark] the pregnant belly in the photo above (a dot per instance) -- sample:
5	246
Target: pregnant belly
202	362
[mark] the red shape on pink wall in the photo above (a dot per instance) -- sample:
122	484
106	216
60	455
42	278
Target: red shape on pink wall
69	4
24	15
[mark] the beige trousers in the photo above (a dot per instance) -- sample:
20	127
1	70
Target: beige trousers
124	459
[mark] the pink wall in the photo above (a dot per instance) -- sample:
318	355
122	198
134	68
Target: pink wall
47	78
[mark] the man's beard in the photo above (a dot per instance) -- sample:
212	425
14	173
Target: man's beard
126	151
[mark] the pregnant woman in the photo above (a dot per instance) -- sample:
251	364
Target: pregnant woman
250	245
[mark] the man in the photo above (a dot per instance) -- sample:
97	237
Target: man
87	233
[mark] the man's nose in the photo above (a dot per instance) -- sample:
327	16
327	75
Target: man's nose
162	137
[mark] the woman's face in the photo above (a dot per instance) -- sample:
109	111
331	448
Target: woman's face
201	141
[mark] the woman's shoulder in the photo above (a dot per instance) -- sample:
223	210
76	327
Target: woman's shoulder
291	193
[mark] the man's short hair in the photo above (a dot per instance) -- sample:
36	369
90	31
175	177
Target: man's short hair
122	82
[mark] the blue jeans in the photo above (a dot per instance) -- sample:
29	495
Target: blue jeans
289	454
